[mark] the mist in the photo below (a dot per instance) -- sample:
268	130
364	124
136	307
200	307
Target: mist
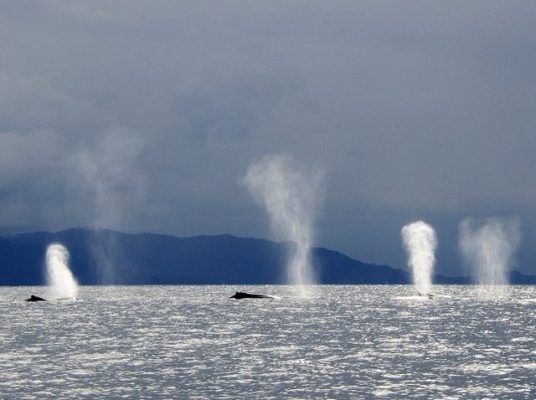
60	279
420	242
291	193
489	247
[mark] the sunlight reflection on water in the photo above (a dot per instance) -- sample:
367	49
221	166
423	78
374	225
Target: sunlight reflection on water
193	341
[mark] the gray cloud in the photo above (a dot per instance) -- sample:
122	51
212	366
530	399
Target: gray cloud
143	116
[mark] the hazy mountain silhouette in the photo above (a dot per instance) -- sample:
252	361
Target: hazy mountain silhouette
109	257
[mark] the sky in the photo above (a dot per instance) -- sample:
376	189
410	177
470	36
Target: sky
144	116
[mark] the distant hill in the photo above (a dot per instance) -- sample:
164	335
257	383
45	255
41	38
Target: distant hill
109	257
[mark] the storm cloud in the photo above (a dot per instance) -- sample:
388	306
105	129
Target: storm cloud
143	116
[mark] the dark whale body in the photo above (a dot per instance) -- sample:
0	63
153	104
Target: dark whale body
429	295
243	295
35	298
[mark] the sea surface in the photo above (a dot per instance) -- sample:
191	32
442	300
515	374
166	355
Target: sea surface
166	342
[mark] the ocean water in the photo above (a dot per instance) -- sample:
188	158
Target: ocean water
162	342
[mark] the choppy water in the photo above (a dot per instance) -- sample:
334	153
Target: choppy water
151	342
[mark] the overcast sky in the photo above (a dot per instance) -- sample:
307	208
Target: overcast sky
144	116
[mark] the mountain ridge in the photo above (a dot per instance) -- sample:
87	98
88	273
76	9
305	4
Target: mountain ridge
102	256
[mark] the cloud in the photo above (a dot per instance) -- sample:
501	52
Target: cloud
416	110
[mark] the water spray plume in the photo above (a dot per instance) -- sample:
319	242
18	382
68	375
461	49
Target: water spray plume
420	243
59	277
291	193
489	248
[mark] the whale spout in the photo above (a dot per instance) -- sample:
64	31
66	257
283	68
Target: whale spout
244	295
35	298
